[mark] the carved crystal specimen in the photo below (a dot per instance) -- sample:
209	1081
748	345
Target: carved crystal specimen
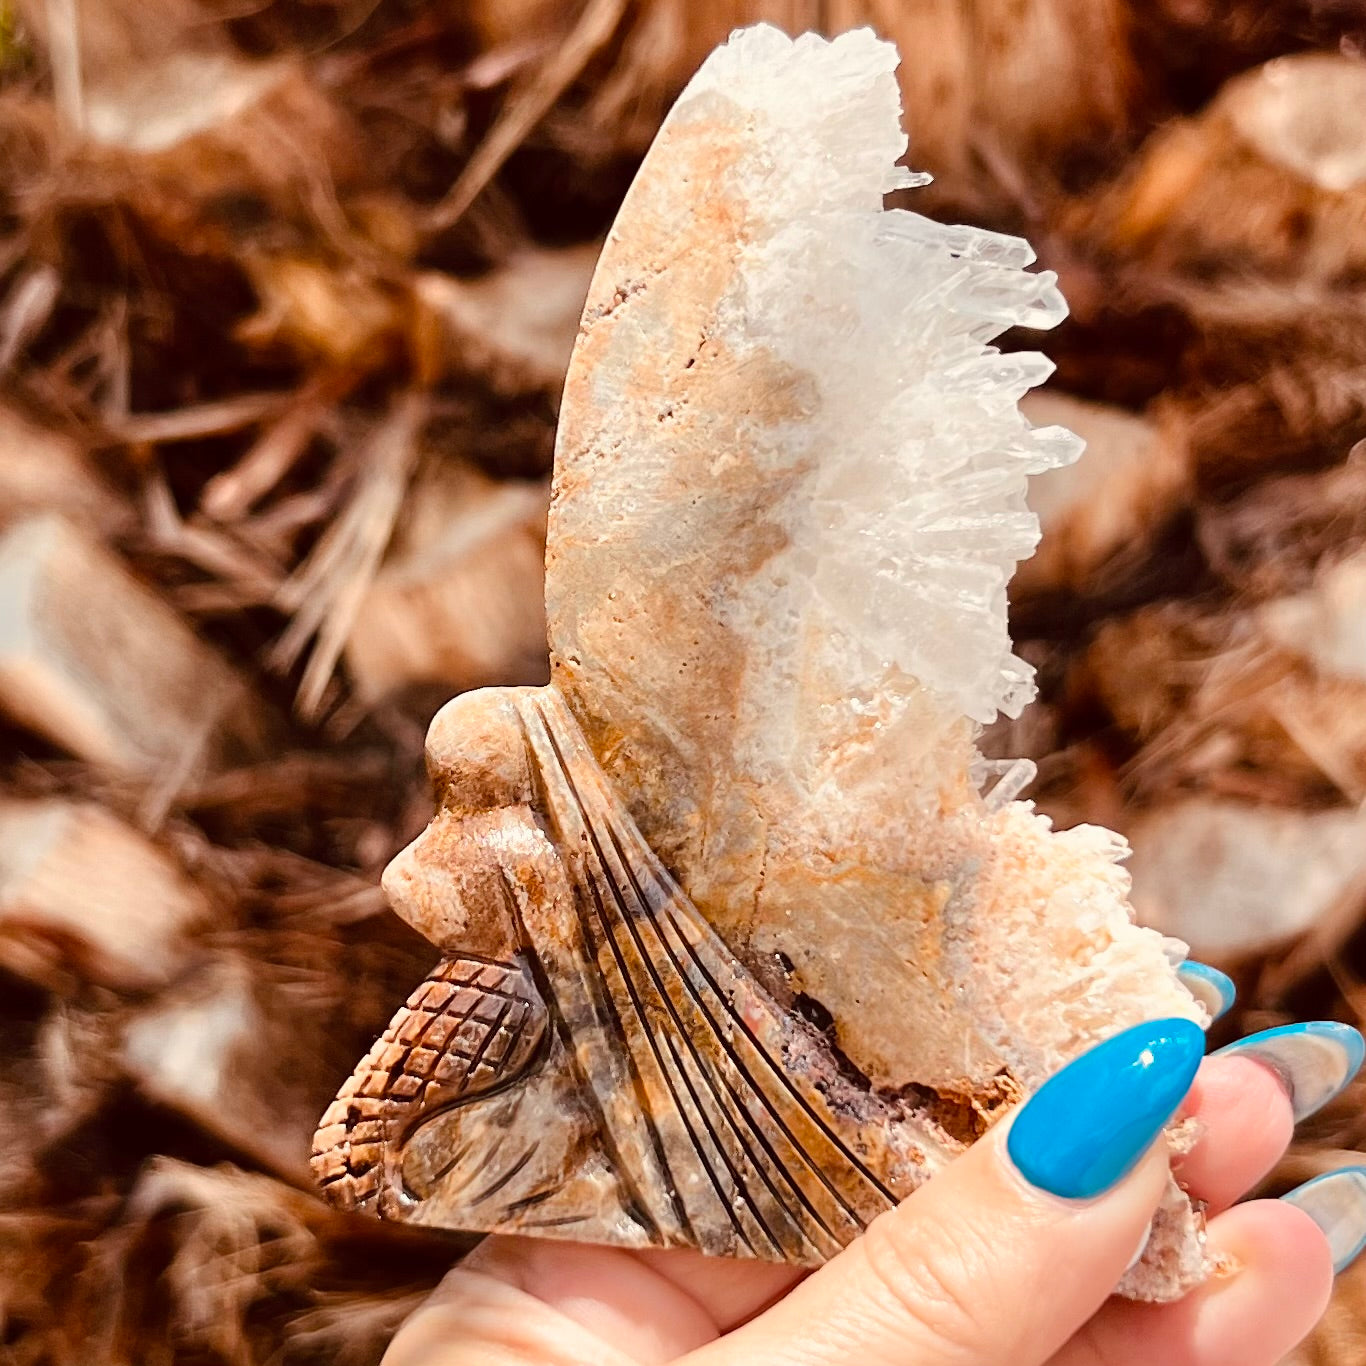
737	951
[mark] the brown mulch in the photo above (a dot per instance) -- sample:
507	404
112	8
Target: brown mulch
286	294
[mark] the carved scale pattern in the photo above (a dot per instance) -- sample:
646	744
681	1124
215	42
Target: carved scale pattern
471	1028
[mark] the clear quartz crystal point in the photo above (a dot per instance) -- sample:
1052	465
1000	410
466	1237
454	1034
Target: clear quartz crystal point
1002	780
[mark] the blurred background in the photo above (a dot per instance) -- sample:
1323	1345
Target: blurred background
287	290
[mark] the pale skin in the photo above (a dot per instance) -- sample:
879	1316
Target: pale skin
975	1269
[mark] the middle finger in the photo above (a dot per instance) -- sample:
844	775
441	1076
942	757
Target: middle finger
1249	1096
1246	1124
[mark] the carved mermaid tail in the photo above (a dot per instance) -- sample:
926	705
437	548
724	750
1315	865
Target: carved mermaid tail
470	1030
702	1113
770	1151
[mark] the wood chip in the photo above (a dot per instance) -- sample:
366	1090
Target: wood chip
1234	879
515	326
205	1049
84	895
1127	482
458	601
45	470
1271	177
97	663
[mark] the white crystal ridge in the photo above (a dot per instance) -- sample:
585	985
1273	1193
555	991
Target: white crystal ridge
911	516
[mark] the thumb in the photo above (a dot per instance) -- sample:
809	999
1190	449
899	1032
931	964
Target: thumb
1007	1252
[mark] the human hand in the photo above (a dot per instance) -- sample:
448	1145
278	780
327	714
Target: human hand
1007	1258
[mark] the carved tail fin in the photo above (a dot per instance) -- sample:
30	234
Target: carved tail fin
767	1149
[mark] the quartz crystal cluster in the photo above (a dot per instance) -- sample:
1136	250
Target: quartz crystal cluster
738	951
903	477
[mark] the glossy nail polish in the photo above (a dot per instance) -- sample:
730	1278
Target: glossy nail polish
1337	1204
1212	988
1086	1128
1314	1060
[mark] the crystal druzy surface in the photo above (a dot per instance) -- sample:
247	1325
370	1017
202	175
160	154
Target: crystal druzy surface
737	950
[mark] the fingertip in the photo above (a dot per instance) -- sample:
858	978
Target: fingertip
1275	1285
1242	1090
1336	1201
1246	1122
609	1292
1279	1250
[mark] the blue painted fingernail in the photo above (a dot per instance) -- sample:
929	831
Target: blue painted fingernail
1085	1129
1337	1204
1212	988
1314	1061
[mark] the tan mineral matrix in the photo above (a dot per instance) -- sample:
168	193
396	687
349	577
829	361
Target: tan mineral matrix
743	940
